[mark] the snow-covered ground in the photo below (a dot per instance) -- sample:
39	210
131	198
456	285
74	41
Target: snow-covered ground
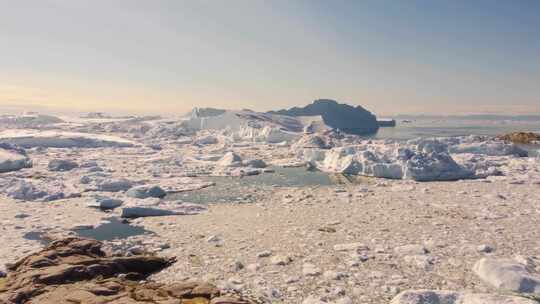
75	173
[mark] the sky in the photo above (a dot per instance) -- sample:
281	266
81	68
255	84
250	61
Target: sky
168	56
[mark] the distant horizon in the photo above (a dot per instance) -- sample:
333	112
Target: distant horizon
13	109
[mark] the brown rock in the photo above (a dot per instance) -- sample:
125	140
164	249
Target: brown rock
521	137
76	270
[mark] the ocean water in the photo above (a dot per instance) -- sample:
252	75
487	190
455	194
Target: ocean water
454	127
425	128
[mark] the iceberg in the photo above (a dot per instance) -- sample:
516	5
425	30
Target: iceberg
421	161
349	119
61	139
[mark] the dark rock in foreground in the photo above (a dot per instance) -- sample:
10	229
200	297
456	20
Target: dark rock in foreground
349	119
77	270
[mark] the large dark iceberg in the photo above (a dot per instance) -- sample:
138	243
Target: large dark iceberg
349	119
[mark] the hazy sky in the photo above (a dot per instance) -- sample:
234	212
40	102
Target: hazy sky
392	56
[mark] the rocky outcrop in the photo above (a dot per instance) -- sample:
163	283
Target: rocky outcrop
349	119
521	137
75	270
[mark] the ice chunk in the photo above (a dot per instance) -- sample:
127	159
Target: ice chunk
230	159
435	166
12	160
102	202
145	191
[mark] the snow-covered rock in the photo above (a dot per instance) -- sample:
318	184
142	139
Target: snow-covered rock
13	160
61	139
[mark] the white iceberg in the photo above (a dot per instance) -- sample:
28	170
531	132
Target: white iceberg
424	161
61	139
